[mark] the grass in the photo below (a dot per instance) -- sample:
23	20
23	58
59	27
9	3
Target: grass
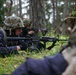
9	64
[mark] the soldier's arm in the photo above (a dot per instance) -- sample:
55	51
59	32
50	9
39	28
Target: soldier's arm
8	50
51	65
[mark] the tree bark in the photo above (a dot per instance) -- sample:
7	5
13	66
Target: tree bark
20	8
37	9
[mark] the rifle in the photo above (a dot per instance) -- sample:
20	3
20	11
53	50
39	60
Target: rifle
35	41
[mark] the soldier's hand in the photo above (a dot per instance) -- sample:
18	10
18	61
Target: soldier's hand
23	45
31	32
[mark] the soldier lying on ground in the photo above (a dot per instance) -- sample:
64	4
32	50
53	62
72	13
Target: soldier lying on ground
6	48
27	31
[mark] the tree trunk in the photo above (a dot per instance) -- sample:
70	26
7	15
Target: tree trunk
53	7
57	19
20	8
65	12
37	9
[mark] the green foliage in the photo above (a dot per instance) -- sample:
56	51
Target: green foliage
74	13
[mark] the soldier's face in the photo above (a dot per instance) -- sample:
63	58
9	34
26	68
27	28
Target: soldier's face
18	31
28	27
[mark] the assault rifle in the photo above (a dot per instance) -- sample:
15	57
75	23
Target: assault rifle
35	41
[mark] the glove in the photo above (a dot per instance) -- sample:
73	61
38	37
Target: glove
23	45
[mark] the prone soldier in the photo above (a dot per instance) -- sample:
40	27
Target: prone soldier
14	24
28	31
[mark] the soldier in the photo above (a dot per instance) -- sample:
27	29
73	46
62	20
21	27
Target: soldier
13	27
11	24
15	23
27	31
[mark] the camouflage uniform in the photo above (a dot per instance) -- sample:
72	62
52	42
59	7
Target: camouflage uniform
11	23
26	31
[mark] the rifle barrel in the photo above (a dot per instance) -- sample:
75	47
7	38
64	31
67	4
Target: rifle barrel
17	38
46	39
63	40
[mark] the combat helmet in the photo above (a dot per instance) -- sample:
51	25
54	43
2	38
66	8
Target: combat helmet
13	22
26	22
